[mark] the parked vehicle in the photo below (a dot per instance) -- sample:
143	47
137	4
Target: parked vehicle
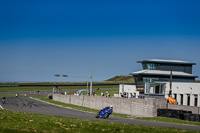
82	92
105	112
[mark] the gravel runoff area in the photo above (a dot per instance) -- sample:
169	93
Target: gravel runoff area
25	104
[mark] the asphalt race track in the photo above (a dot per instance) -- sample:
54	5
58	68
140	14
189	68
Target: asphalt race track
25	104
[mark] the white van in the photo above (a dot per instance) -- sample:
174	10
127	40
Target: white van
82	92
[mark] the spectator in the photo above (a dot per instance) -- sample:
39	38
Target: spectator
107	94
94	93
124	94
121	95
102	94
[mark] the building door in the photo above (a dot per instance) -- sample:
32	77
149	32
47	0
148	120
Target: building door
181	99
157	86
175	96
188	100
195	100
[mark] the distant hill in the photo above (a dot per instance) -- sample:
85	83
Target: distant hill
122	79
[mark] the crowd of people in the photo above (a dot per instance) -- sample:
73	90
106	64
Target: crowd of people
127	95
107	94
171	100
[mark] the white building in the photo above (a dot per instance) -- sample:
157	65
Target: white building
184	93
154	81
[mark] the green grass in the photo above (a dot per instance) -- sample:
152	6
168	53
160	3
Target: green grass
169	120
121	79
25	88
35	88
10	95
158	119
19	122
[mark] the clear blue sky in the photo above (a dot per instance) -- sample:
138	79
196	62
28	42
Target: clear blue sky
41	38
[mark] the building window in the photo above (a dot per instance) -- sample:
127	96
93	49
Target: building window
151	66
162	89
144	66
157	87
152	88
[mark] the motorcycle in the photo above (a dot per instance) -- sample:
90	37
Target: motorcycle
105	112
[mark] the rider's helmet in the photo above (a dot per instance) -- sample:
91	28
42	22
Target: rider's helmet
111	106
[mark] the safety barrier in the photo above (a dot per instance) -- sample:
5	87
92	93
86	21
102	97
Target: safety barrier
178	114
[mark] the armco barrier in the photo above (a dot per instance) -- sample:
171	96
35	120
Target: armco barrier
135	107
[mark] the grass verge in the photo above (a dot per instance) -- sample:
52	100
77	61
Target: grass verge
18	122
169	120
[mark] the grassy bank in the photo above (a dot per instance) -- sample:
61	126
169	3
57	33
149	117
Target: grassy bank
18	122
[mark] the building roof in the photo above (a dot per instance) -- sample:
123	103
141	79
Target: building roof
162	73
166	61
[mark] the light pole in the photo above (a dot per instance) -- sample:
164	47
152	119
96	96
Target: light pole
91	83
170	85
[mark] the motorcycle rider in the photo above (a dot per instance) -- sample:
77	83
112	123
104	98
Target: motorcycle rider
110	110
3	100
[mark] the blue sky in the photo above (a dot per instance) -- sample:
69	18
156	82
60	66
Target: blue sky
41	38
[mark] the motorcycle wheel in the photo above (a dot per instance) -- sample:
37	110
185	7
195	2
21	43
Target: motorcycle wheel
97	115
105	116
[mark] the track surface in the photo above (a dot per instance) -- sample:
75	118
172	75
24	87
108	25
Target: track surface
25	104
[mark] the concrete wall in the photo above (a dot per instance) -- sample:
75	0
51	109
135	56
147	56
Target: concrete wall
135	107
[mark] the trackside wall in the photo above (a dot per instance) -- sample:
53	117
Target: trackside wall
135	107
